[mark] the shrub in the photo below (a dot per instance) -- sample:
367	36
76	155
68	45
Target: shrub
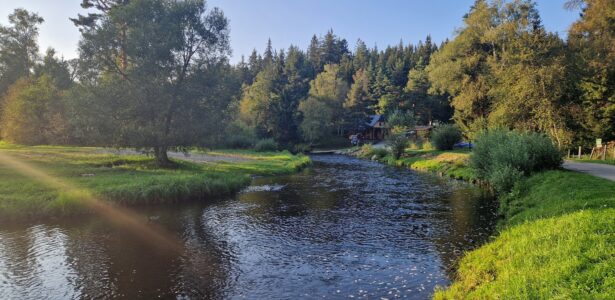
503	157
239	136
239	141
444	137
266	145
302	148
368	151
427	146
398	144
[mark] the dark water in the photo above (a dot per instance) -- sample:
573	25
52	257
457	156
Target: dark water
344	228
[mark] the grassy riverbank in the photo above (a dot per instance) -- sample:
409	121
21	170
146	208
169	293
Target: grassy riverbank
557	240
125	179
453	164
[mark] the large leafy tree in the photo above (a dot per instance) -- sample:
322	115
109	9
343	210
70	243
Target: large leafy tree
503	69
593	40
18	47
148	61
326	96
34	113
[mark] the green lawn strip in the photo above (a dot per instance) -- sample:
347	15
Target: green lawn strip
124	179
557	240
566	257
555	193
595	161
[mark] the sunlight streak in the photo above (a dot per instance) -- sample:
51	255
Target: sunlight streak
153	234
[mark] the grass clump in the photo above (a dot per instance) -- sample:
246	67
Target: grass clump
566	257
503	157
444	137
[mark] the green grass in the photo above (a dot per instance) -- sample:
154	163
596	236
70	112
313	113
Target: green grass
554	193
453	164
557	241
567	257
595	161
125	179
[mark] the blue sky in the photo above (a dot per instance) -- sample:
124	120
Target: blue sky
288	22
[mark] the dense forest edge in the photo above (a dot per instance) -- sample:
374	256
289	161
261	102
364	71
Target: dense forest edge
519	95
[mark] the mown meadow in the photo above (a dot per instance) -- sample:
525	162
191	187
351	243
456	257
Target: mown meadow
129	179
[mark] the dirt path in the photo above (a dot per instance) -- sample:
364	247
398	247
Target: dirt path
598	170
194	157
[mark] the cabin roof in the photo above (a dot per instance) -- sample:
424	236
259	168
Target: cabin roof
374	119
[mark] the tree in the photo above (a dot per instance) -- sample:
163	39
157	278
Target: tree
330	88
317	119
425	106
257	102
56	69
503	69
592	39
461	68
34	113
161	100
358	102
18	47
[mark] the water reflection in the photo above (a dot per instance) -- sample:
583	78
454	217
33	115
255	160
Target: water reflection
344	228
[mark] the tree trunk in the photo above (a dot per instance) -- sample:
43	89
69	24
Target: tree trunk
162	159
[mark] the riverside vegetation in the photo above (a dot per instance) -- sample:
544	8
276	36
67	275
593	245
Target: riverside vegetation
127	179
556	232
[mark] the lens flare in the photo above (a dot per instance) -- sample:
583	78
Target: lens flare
125	219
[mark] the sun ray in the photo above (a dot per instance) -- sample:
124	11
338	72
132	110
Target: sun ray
125	219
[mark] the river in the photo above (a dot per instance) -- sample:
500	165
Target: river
343	228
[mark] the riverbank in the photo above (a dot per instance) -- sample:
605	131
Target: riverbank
556	236
452	164
557	240
130	179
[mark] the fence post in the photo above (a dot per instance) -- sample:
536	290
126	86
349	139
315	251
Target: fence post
579	157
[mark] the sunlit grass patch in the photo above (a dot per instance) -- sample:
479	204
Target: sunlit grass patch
565	257
125	179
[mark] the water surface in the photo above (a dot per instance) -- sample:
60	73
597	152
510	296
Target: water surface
345	228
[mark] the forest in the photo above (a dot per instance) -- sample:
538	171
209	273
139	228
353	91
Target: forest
156	75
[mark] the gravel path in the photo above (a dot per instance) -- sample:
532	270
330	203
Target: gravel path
598	170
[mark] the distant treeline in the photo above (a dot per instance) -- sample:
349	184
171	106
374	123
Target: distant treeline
156	74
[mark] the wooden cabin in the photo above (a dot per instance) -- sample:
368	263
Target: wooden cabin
376	128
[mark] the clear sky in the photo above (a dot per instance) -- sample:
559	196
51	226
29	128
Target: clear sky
286	22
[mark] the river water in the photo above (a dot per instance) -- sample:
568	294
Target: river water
344	228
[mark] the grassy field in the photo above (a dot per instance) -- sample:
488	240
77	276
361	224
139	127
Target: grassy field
124	179
557	240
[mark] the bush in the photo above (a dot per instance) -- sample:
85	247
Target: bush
239	141
266	145
368	151
302	148
398	144
444	137
503	157
239	136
